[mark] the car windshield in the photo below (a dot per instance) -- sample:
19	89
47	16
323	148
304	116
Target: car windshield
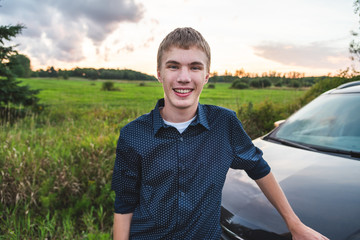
331	121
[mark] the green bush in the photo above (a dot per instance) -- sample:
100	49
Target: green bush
295	83
239	84
259	119
108	86
260	83
324	85
278	83
211	86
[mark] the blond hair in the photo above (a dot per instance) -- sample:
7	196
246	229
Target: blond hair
184	38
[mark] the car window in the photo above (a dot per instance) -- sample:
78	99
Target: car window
331	121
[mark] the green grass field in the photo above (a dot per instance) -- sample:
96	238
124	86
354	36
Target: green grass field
55	167
84	93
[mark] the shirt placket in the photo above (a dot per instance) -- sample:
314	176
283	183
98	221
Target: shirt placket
182	194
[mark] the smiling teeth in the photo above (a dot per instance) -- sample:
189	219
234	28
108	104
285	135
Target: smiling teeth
183	90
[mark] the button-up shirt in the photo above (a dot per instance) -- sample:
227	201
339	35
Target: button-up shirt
172	182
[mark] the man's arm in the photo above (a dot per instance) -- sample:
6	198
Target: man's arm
272	190
121	229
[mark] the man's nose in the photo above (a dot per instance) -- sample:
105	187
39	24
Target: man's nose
184	75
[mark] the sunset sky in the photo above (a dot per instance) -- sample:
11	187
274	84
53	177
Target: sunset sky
307	36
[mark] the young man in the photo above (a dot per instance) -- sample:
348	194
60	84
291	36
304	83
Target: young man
171	163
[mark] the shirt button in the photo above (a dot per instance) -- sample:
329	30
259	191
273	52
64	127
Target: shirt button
181	139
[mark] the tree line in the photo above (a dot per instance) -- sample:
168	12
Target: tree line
266	81
20	66
93	74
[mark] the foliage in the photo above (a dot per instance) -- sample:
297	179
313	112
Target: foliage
260	83
19	65
354	47
109	86
93	74
323	86
56	173
225	78
11	92
6	33
239	84
211	86
266	81
259	119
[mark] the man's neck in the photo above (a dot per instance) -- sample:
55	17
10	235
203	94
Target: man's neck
178	115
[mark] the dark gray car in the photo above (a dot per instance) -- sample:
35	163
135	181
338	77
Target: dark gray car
315	156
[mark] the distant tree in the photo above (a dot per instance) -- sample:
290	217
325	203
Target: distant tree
278	83
260	83
238	84
10	90
240	73
109	86
52	72
295	83
227	73
354	47
6	33
211	86
64	74
19	65
215	73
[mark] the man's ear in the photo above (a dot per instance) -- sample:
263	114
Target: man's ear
207	78
159	76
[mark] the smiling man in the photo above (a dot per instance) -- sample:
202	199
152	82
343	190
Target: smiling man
171	163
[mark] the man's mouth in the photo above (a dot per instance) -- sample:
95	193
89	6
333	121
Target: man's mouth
183	91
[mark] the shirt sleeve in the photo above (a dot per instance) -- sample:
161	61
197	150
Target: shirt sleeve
126	177
246	155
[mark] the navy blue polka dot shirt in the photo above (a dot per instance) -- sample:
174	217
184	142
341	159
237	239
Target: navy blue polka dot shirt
172	182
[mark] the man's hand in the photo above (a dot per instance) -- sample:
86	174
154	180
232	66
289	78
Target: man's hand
302	232
273	192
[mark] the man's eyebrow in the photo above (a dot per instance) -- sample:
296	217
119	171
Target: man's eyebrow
192	63
172	62
197	63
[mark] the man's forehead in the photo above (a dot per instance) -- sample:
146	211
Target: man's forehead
177	52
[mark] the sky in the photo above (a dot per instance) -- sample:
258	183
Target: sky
306	36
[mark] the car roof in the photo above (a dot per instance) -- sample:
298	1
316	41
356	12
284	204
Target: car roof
350	87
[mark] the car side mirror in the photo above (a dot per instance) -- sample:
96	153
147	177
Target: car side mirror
278	123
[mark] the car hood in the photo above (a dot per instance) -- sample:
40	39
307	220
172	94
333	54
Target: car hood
323	189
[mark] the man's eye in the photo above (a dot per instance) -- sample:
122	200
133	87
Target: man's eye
172	67
196	68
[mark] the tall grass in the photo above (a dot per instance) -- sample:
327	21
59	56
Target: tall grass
56	172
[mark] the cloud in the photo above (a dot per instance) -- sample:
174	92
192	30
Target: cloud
57	29
314	55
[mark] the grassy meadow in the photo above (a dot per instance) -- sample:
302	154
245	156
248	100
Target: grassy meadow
142	95
56	166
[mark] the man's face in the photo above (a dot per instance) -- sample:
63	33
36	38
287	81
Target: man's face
183	75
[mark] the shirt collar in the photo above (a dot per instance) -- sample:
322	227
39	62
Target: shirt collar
158	122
